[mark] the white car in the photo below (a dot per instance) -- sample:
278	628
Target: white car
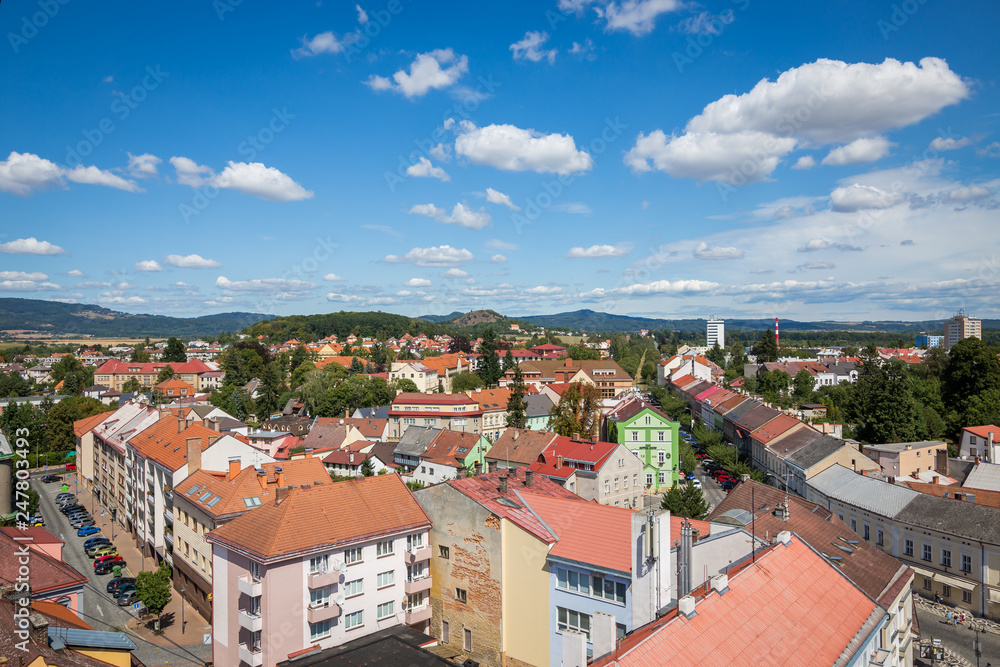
696	483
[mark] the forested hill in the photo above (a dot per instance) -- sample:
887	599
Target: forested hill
77	319
341	324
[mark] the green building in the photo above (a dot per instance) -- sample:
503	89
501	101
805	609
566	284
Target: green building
652	436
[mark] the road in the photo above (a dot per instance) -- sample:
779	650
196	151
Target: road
100	609
958	638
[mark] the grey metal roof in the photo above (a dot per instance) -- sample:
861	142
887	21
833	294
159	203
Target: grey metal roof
966	520
816	451
903	446
984	476
788	445
757	417
537	405
73	637
381	412
741	409
415	440
845	485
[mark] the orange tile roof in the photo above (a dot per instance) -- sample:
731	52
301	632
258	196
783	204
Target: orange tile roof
56	610
324	517
594	453
774	428
520	446
82	426
175	383
491	399
162	443
984	431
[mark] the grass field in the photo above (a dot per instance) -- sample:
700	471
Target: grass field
105	342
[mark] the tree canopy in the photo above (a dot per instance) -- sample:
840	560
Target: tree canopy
174	351
577	412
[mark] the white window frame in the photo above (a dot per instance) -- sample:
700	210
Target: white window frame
319	630
385	610
385	579
354	587
354	555
354	620
384	548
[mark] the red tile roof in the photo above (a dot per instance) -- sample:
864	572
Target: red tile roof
984	431
594	453
777	426
117	366
47	573
413	398
162	443
82	426
37	534
325	517
520	446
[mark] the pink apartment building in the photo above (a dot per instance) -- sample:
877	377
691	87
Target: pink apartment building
319	566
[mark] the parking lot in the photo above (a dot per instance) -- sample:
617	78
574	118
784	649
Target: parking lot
100	609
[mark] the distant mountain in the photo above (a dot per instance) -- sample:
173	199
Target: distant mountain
89	320
441	318
476	317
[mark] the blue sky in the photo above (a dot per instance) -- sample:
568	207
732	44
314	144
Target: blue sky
743	159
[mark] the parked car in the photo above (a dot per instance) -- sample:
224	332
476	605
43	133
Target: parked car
701	456
113	559
123	589
695	483
128	599
117	583
48	479
63	494
102	550
76	514
728	485
103	543
69	508
100	539
108	566
82	522
87	530
690	475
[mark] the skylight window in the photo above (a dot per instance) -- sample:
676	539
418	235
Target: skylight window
252	502
192	489
214	500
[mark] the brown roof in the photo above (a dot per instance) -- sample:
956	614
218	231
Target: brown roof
491	399
793	441
520	446
82	426
162	443
47	573
325	516
231	492
444	448
10	643
327	432
369	427
873	571
960	493
756	418
730	403
563	370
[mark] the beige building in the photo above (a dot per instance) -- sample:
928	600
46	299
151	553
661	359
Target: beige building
425	378
115	373
456	412
959	327
906	459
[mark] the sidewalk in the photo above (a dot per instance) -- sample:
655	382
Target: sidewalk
171	631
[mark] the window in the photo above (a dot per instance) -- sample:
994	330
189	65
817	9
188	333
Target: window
383	548
966	563
626	503
384	579
879	537
635	479
444	552
635	436
467	644
415	600
636	453
416	572
647	420
967	597
661	456
854	524
927	584
649	479
946	590
352	555
319	564
662	477
621	463
946	557
927	553
445	632
355	587
660	436
461	595
320	597
423	469
625	481
319	630
607	486
414	542
908	547
572	620
867	532
384	610
254	566
254	606
354	620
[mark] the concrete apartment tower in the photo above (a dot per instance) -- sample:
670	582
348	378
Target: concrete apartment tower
716	332
959	327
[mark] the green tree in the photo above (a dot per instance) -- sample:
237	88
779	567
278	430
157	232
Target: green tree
466	382
804	384
357	366
174	351
368	468
59	432
766	349
300	355
687	501
153	589
489	363
577	412
970	383
166	373
883	406
582	352
73	374
406	385
352	393
508	361
717	356
132	386
270	390
139	354
14	385
459	343
516	408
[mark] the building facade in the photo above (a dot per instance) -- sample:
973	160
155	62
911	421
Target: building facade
652	437
959	327
715	333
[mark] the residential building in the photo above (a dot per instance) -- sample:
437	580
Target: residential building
493	403
984	476
715	333
518	447
961	326
115	373
348	463
606	472
447	366
953	545
457	412
174	388
538	407
980	442
881	577
431	455
331	433
923	340
393	647
605	374
373	430
653	438
48	577
310	569
207	499
425	378
820	455
907	459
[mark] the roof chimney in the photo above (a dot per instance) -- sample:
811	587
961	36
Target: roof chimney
516	434
234	467
492	465
479	468
262	479
784	537
685	606
529	477
180	425
559	461
720	583
280	493
503	484
351	458
279	474
39	629
193	454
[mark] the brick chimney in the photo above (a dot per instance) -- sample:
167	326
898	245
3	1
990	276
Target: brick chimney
479	468
279	473
39	631
180	425
503	485
492	466
280	493
529	477
559	461
234	467
193	454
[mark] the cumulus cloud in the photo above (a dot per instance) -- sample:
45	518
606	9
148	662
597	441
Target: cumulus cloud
362	15
22	275
514	149
805	162
530	48
122	300
704	251
815	266
342	298
265	285
148	265
815	245
425	169
418	282
333	278
992	150
966	193
27	286
498	259
497	197
143	166
949	143
93	176
858	197
324	42
191	262
190	172
23	173
636	16
455	273
654	288
252	178
497	244
460	215
584	49
442	256
859	151
598	251
30	246
435	70
428	210
742	138
76	273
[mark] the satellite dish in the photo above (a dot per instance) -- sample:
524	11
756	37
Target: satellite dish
342	568
339	599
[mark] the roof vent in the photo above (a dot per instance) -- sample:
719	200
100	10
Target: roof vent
685	606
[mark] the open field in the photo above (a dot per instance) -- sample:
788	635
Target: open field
84	340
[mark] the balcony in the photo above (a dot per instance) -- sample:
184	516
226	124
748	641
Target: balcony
321	579
418	615
411	557
251	656
149	498
150	480
168	537
252	622
168	517
880	657
249	586
417	585
324	612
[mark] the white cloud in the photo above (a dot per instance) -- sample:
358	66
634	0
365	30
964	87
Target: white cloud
428	210
703	251
190	172
544	290
441	152
514	149
333	277
30	246
324	42
497	197
418	282
362	15
498	259
424	169
992	150
148	265
706	23
497	244
342	298
265	182
655	287
76	273
93	176
27	286
461	215
265	285
742	138
859	151
455	273
816	266
805	162
191	262
442	256
426	74
966	193
21	173
857	197
530	48
597	251
637	16
122	300
949	143
34	276
814	245
583	49
143	166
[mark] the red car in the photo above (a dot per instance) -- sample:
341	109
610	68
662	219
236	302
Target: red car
700	456
108	559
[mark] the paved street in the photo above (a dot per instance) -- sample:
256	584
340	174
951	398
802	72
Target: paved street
959	638
101	610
